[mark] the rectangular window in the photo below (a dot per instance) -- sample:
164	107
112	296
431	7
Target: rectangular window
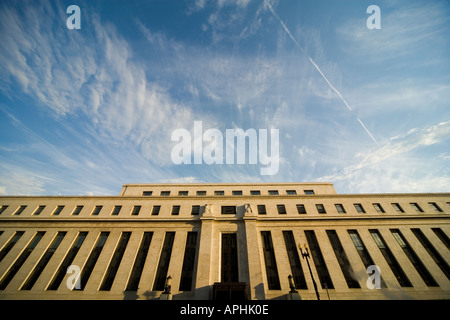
319	262
237	193
43	262
116	210
378	207
255	192
164	261
183	193
155	210
229	265
175	210
339	208
165	193
294	261
19	210
21	260
136	210
291	192
11	244
92	260
320	208
77	210
38	210
281	209
341	256
228	209
201	193
441	235
219	193
115	262
195	210
416	207
58	210
390	259
397	207
97	210
273	192
3	208
59	276
301	209
273	281
138	265
359	208
435	207
187	271
415	260
261	209
435	255
147	193
309	191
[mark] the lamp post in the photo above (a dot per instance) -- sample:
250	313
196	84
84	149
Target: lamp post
306	256
168	285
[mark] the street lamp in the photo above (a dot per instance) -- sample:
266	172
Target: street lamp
168	285
306	256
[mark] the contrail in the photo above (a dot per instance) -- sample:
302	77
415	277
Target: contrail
318	69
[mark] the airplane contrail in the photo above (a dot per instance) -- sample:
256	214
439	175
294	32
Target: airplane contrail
318	69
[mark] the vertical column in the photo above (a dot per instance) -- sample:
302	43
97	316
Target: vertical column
203	277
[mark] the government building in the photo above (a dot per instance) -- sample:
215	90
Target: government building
224	241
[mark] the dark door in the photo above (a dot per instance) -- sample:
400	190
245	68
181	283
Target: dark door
229	258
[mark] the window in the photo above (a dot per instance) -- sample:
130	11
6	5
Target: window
43	262
138	265
10	244
255	192
187	271
38	210
77	210
291	192
281	209
273	192
301	209
415	260
58	210
378	207
175	210
319	262
21	260
54	285
228	209
3	208
435	207
261	209
390	259
116	210
237	193
339	208
115	262
416	207
164	260
397	207
219	193
309	191
341	256
195	210
92	260
147	193
273	281
359	208
183	193
229	266
97	210
201	193
442	236
136	210
294	260
155	210
165	193
20	210
320	208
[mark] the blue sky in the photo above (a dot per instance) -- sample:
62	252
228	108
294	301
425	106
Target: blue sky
84	111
